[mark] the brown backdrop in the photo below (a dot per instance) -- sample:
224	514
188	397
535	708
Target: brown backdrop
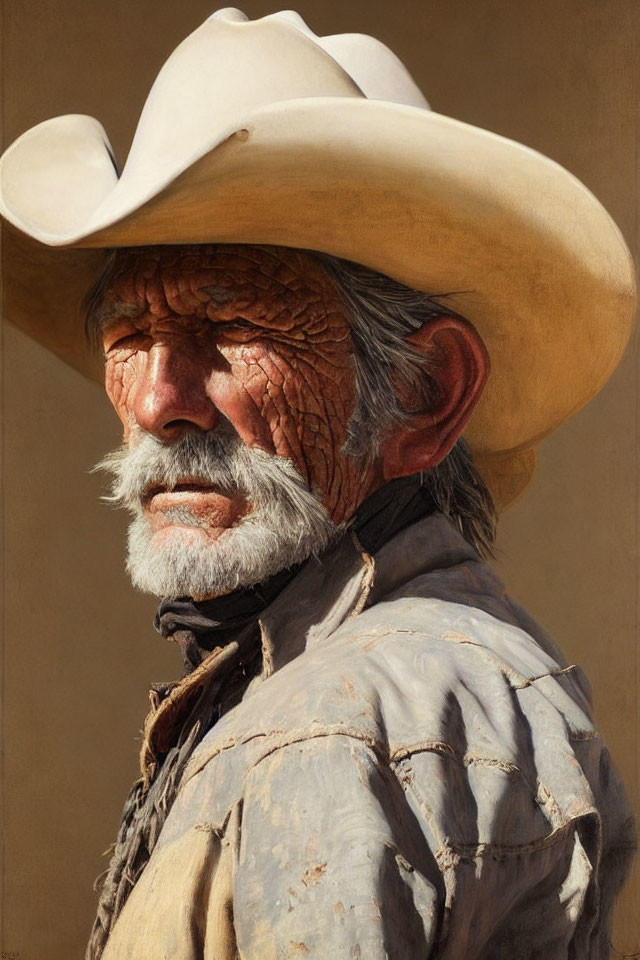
79	650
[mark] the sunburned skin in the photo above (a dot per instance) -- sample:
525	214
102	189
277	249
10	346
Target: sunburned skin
256	335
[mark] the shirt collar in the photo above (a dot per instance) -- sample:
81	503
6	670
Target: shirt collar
324	594
348	579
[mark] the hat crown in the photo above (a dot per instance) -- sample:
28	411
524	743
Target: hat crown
231	66
376	69
227	68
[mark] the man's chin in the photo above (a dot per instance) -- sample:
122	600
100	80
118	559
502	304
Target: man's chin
179	559
216	540
195	561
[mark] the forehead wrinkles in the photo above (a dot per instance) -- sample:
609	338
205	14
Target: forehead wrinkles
221	282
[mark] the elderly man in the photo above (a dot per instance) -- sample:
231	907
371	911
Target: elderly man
373	752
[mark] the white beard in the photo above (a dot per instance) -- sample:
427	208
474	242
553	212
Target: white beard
286	523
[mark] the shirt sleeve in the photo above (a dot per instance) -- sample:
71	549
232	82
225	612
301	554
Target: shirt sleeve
331	861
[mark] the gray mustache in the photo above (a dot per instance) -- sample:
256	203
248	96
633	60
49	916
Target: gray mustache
216	458
210	458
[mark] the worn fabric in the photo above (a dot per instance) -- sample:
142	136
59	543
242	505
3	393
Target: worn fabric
414	773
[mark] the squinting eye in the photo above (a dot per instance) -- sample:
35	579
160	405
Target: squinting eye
243	323
126	342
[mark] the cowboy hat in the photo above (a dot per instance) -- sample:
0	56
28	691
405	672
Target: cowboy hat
262	132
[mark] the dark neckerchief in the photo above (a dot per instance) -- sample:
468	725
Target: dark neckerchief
200	626
390	509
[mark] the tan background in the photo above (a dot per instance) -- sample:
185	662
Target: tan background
79	650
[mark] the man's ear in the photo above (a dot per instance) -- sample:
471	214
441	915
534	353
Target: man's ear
456	368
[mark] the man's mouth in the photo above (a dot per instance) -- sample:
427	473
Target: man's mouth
196	496
192	502
182	487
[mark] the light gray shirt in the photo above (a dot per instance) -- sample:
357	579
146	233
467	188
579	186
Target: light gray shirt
415	774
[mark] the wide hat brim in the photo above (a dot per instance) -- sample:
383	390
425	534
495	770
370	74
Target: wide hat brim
510	240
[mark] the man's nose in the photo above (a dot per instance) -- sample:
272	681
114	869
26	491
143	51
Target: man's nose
170	396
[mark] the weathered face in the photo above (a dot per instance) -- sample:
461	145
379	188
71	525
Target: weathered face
251	341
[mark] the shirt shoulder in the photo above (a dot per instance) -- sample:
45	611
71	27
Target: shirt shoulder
420	681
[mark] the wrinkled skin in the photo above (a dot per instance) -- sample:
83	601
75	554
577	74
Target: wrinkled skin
255	334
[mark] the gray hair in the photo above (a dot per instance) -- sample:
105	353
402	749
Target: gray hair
383	313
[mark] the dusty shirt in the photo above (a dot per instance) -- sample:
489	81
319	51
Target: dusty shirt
414	774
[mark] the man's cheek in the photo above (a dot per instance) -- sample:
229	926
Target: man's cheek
266	400
263	413
119	386
272	375
301	428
